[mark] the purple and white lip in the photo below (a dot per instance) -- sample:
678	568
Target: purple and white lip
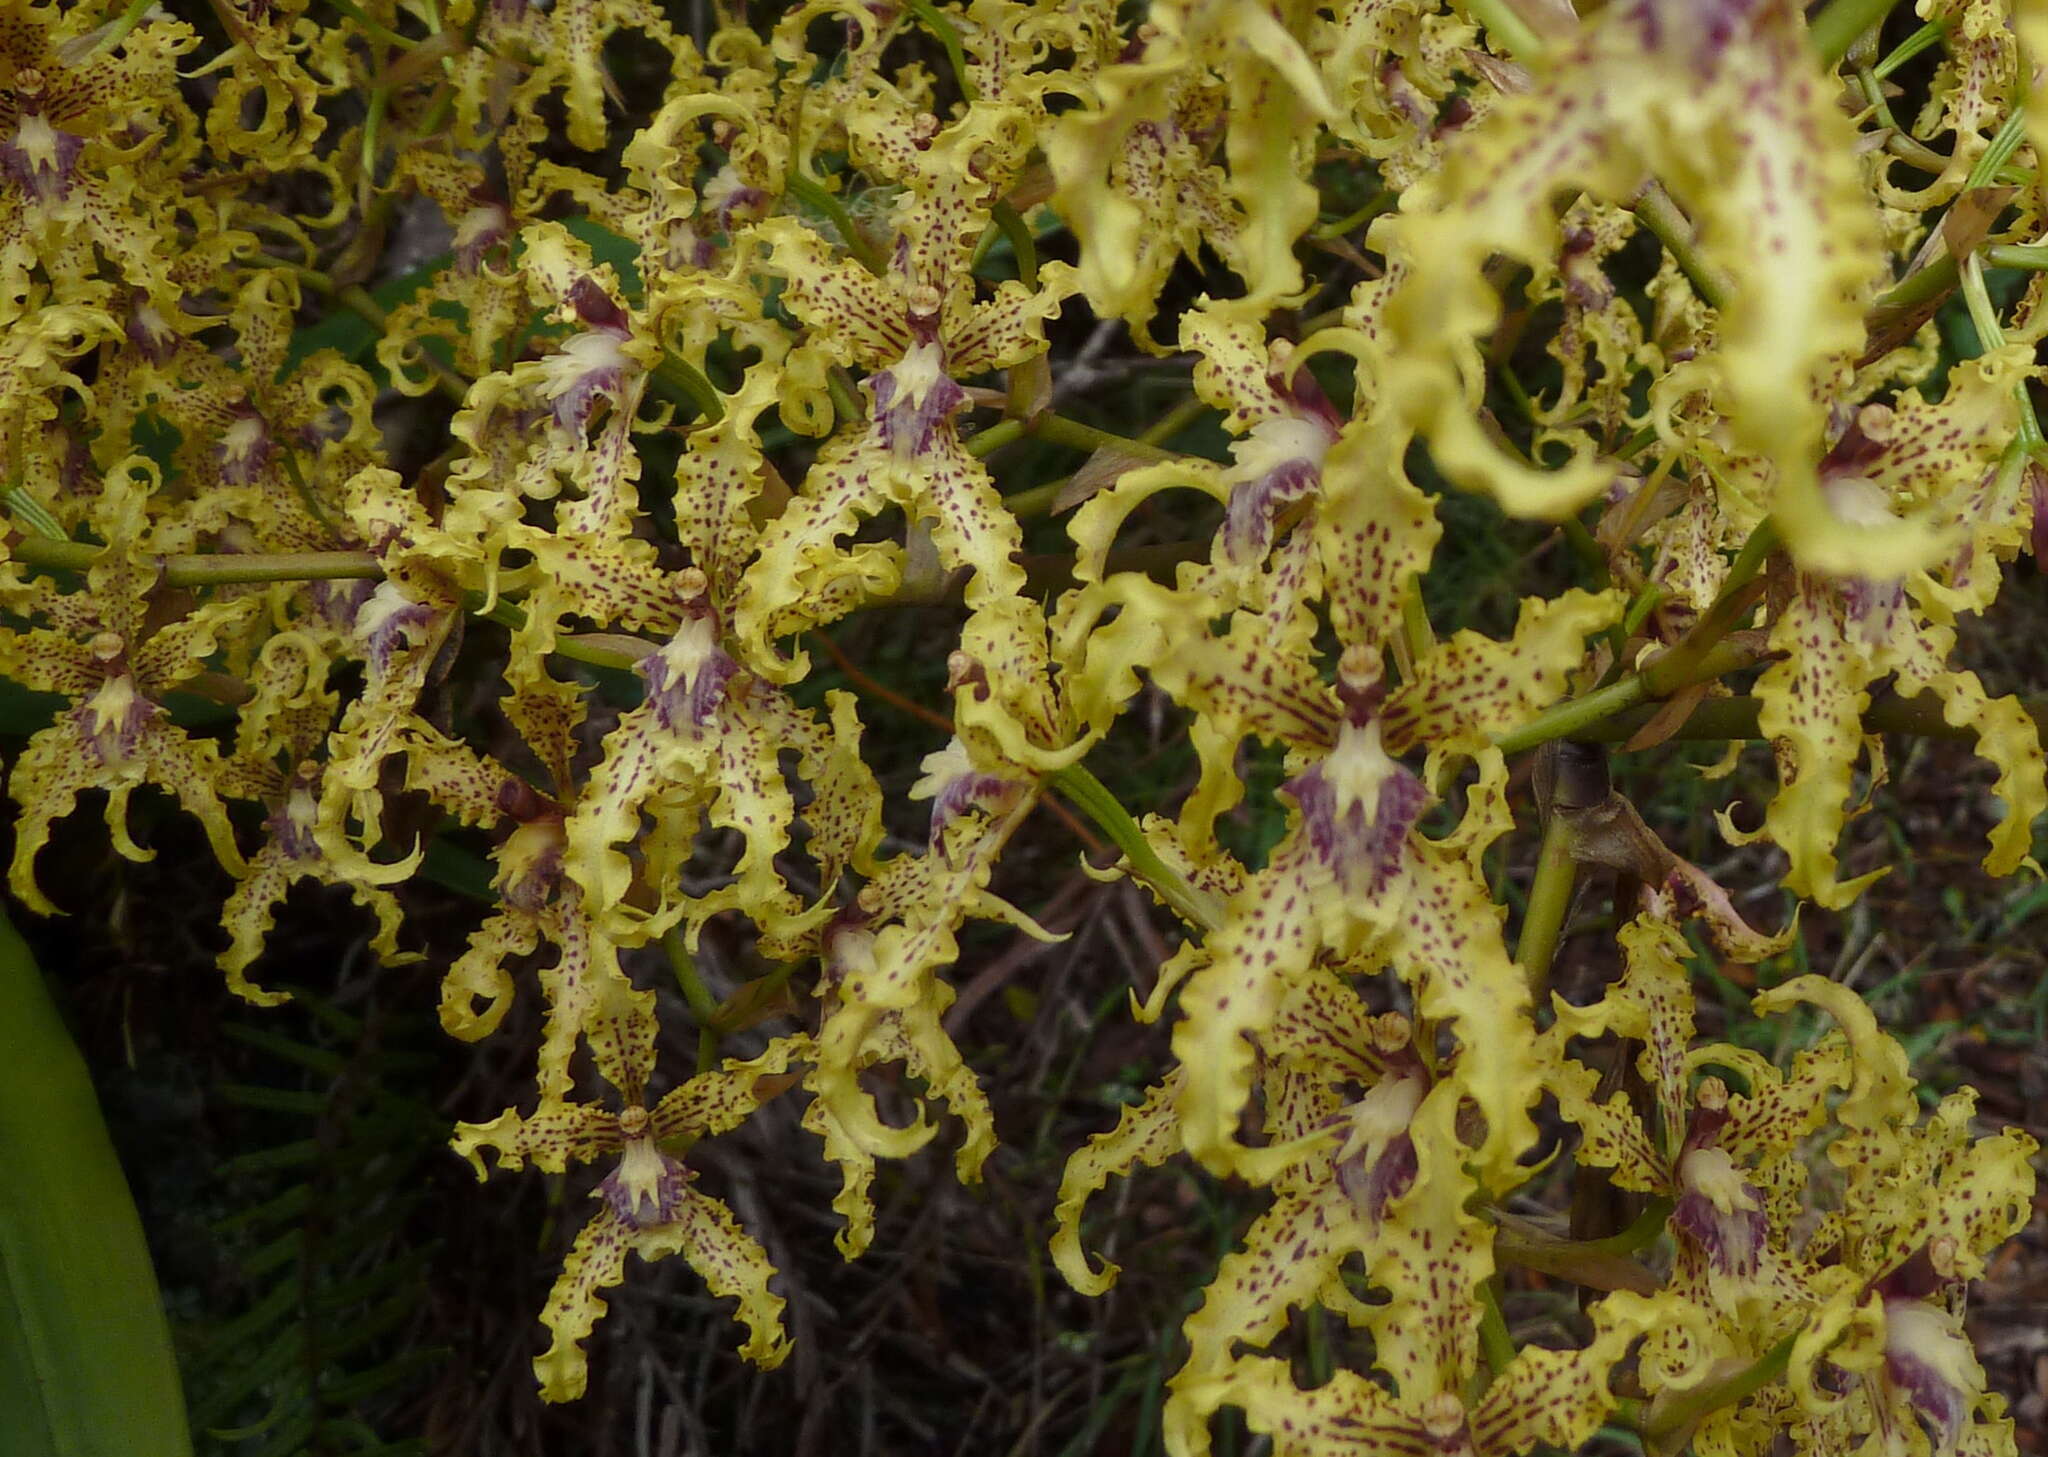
646	1189
1720	1212
1928	1359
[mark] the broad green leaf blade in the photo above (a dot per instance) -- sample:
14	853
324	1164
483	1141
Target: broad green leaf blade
86	1366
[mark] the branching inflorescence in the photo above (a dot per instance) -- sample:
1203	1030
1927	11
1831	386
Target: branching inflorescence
798	275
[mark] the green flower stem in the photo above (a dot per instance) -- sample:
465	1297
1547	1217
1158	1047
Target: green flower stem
1922	286
813	194
1174	420
1655	210
1639	1235
1991	336
1190	902
1748	562
948	37
1059	430
1927	35
1737	718
372	139
1013	227
1062	431
1550	902
213	569
989	441
702	1007
114	32
683	382
1842	24
1687	1411
1576	717
1038	500
845	397
1379	202
1559	1256
1505	29
1494	1338
512	615
210	569
2011	132
369	27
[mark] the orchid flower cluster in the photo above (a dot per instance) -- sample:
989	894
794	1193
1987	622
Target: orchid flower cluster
806	270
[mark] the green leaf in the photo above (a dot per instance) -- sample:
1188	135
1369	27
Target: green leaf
86	1365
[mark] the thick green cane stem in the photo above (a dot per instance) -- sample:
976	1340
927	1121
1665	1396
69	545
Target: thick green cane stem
1720	719
1550	902
1577	717
211	569
1701	657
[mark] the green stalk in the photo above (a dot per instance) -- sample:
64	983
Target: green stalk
1174	420
1505	29
1062	431
211	569
1576	717
948	38
368	26
1683	1414
512	615
1639	1235
845	396
1012	226
86	1364
683	381
113	33
1494	1338
1086	793
1737	718
1379	202
2011	132
2032	257
1839	27
989	441
1550	901
1927	35
1656	211
1558	1256
676	946
812	194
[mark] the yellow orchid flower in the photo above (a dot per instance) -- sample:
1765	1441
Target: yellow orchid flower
920	329
287	717
1554	1398
102	652
89	150
1136	177
645	1205
1837	635
1725	111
